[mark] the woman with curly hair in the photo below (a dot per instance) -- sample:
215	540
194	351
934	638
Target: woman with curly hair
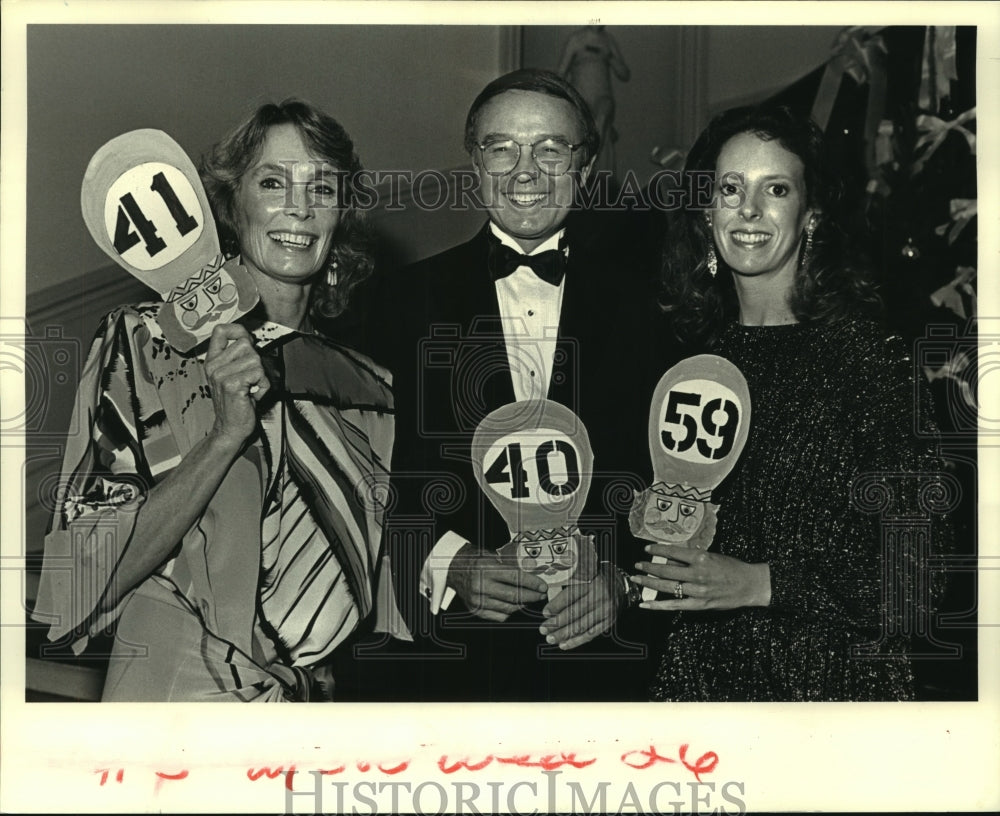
239	482
797	599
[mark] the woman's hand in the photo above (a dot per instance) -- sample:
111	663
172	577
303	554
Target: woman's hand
708	580
233	368
237	379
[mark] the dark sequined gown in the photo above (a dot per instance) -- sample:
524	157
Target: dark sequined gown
829	405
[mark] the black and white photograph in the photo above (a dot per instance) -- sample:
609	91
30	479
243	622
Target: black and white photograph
509	378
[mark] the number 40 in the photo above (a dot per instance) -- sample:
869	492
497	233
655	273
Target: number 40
508	467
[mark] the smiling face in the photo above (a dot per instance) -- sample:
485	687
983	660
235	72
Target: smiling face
527	204
287	210
761	207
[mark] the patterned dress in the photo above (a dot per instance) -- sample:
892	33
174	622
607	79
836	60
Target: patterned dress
840	491
283	563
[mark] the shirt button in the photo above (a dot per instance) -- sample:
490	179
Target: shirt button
532	373
531	312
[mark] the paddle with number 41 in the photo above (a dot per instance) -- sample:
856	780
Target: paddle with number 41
146	208
534	462
698	423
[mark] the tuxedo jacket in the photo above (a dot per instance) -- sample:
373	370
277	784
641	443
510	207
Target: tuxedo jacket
436	326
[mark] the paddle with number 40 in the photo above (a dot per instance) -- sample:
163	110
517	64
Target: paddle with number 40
534	462
146	208
698	423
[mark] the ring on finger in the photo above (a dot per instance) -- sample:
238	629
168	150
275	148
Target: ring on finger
679	590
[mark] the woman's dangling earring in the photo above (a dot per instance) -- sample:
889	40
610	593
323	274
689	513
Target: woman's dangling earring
807	250
711	261
331	273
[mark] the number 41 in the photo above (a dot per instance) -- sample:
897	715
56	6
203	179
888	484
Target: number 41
130	214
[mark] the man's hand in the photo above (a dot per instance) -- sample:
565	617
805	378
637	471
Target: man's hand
581	612
492	589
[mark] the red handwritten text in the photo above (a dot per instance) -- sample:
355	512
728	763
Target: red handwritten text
120	776
704	764
254	774
161	777
548	763
646	758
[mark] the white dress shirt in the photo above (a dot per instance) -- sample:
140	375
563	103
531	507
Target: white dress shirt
529	314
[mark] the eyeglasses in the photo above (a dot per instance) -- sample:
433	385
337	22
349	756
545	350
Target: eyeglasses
552	156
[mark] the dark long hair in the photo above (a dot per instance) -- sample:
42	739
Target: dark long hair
832	285
223	168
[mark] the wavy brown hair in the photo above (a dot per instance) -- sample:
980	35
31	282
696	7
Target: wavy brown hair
223	168
832	285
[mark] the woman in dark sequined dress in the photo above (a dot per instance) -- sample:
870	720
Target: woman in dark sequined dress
790	601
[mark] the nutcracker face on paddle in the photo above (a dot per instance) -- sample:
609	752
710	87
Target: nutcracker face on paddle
214	300
668	517
534	463
553	560
145	206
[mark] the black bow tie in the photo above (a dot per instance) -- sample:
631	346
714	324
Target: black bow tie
550	265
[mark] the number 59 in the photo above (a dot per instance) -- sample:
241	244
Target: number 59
682	409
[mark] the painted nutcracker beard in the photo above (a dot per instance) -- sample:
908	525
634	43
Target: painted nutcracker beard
553	560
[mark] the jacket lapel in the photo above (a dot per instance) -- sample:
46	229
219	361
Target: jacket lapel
481	378
576	321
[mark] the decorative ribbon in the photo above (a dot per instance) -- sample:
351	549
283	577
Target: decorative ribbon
955	295
960	369
667	158
884	155
858	53
938	67
934	131
883	142
963	210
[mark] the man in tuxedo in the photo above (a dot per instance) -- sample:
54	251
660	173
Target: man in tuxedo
545	301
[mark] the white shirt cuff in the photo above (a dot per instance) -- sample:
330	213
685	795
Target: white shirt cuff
434	574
